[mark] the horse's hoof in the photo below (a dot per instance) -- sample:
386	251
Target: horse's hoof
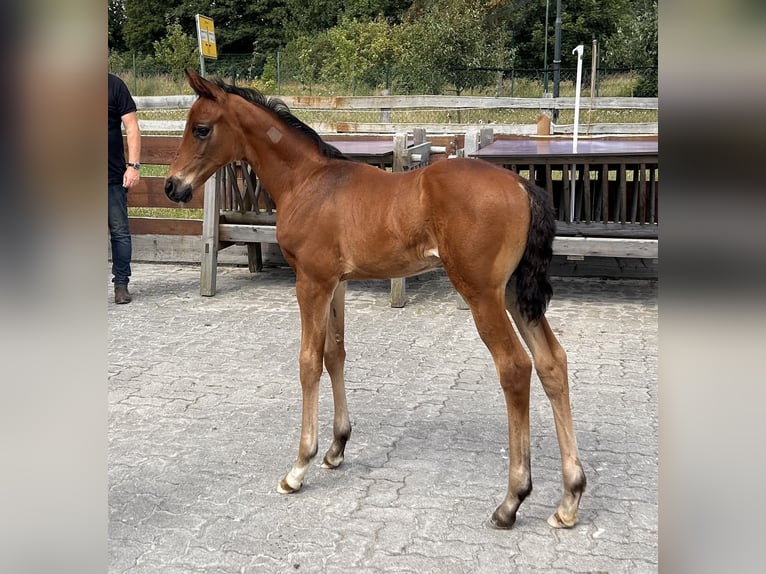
331	463
284	487
556	521
501	520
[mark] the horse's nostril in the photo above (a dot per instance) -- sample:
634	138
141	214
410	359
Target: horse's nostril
169	186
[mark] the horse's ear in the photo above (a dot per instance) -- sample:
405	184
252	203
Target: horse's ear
202	87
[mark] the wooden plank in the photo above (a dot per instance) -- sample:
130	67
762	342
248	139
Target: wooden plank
586	192
617	267
249	218
599	229
183	102
419	101
622	197
150	192
247	233
642	128
164	226
188	249
604	192
642	193
565	201
606	247
157	150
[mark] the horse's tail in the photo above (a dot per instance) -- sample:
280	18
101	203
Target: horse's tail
533	290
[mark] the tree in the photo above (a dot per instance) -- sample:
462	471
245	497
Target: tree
116	12
635	45
361	51
145	23
176	51
581	22
447	38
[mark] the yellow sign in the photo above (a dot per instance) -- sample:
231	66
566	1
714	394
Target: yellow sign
206	36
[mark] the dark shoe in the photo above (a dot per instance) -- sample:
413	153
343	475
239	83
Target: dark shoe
121	295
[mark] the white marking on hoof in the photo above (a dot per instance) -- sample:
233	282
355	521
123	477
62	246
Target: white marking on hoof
555	521
292	482
331	463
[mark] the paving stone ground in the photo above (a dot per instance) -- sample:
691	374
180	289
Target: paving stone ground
204	414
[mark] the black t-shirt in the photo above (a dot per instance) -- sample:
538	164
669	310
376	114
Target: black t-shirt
120	103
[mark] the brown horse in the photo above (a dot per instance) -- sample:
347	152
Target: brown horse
339	220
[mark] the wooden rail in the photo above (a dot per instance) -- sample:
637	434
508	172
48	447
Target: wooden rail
420	102
385	104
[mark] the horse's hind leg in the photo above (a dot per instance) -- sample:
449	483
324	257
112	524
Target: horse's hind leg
514	368
550	362
334	360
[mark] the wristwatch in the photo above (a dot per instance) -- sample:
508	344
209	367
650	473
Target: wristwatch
136	165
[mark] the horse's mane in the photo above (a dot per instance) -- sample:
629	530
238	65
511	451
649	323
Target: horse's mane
280	108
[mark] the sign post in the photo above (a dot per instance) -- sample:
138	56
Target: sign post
205	41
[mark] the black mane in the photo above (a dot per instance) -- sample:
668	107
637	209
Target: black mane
280	108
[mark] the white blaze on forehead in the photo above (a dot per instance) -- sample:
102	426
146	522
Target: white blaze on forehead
274	134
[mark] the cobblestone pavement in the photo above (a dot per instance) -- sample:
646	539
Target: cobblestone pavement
204	414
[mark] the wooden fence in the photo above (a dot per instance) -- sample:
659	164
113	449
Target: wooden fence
180	239
383	106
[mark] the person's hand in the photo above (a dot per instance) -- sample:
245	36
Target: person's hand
130	178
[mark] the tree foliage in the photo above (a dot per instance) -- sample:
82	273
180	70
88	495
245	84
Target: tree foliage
145	23
424	44
177	50
444	39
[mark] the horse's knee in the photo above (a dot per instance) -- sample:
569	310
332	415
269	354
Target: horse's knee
515	373
310	363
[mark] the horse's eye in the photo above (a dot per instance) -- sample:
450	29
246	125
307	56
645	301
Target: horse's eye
201	131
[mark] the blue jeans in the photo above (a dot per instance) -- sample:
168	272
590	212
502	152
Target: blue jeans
119	234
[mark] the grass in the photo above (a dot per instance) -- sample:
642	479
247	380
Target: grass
165	212
615	86
445	116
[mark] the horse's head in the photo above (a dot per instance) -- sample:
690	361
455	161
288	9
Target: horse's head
208	142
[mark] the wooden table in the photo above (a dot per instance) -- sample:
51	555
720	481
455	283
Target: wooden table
621	206
374	152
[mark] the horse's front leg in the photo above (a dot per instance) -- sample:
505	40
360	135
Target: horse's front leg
314	301
334	360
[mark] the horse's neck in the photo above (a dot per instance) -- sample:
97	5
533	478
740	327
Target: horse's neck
281	157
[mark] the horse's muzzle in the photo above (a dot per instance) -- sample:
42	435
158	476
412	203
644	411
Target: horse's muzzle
177	191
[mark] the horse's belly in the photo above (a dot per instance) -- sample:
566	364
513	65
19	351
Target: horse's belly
391	265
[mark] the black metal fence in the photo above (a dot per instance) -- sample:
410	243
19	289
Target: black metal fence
148	75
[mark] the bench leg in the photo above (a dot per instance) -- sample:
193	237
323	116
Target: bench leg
209	238
254	257
398	292
208	270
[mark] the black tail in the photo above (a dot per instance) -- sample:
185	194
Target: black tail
533	290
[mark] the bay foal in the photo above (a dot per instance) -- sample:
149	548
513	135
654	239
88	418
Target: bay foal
339	220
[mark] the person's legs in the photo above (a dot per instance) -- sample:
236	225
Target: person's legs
119	233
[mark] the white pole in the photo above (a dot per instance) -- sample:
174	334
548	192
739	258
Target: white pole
578	50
